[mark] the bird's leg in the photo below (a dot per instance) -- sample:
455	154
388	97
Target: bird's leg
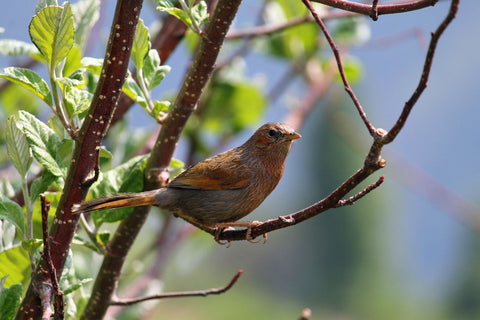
247	224
218	231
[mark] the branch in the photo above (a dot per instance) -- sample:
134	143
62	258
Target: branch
376	10
361	194
422	85
370	127
82	171
186	100
199	293
373	160
57	293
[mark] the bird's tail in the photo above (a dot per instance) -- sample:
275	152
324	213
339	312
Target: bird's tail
123	200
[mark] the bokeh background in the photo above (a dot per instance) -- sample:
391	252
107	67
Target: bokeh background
409	250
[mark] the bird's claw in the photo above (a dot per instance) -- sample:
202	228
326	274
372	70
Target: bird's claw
218	232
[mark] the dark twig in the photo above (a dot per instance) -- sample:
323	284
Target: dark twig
57	293
361	194
422	85
182	294
368	124
366	9
374	13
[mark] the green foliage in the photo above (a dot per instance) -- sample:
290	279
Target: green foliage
16	264
85	14
17	148
295	43
141	45
153	71
43	141
10	47
13	213
30	80
194	16
10	299
52	32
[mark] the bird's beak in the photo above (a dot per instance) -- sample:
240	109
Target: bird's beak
293	136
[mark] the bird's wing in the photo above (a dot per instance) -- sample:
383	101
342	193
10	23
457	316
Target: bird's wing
222	172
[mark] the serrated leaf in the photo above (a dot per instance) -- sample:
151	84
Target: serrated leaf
127	177
16	264
73	62
30	80
141	45
85	13
52	32
13	213
10	47
167	6
153	72
10	299
42	140
17	148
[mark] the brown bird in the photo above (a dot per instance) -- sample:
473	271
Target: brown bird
219	190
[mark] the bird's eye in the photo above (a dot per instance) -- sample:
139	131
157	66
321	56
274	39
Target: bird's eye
272	133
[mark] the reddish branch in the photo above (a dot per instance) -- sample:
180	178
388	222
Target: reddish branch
375	10
84	167
373	160
199	293
57	293
159	161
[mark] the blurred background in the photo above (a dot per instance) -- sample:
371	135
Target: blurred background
408	250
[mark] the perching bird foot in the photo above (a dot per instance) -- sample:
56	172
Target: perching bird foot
247	224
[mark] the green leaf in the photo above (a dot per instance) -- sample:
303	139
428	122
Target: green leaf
77	286
153	72
200	13
12	212
168	6
141	45
73	62
17	148
133	91
92	65
52	32
10	299
233	105
42	140
32	245
44	3
7	234
30	81
9	47
85	13
41	184
77	101
16	264
127	177
103	238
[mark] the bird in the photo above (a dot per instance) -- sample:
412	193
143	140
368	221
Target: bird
220	190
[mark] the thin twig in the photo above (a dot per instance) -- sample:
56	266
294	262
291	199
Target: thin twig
368	124
183	294
361	194
422	85
57	293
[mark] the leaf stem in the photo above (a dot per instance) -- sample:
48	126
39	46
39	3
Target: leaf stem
143	87
188	11
58	108
29	209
